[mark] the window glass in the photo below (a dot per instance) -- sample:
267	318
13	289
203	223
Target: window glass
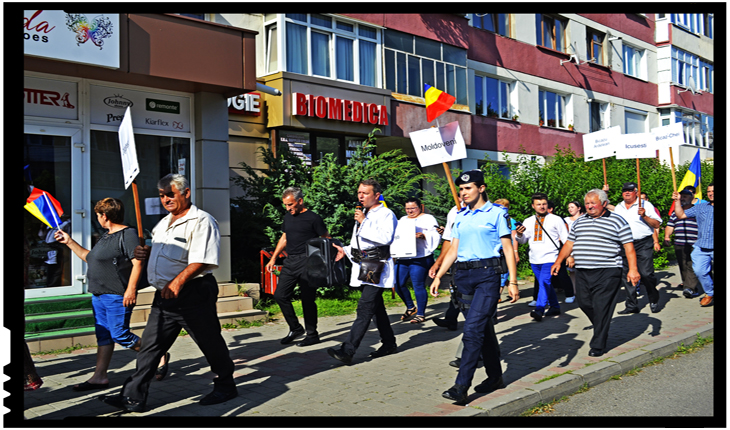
366	31
321	20
453	54
390	70
492	97
401	76
301	17
503	24
427	72
320	54
478	95
345	26
503	96
397	40
345	60
273	49
450	79
414	76
461	94
635	123
296	48
441	76
428	48
368	62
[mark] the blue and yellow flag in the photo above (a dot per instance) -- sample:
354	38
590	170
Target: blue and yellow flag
692	177
381	199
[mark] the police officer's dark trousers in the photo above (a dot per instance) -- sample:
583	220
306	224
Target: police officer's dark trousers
483	285
194	310
293	272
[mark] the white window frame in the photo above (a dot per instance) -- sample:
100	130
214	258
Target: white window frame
279	22
690	69
604	115
695	23
512	109
640	71
561	99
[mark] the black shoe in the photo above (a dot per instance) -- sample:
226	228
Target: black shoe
124	403
215	397
457	393
488	386
309	340
690	293
456	363
595	352
654	307
339	354
292	335
537	316
627	311
442	322
384	350
552	312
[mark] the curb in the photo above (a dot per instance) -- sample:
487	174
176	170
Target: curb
513	404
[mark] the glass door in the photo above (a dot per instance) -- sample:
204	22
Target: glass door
52	162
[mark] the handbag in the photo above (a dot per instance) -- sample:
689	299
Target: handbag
370	268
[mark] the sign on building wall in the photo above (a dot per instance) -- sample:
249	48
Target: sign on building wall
88	38
149	110
315	106
48	98
245	104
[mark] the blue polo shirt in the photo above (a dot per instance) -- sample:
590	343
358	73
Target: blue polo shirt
480	231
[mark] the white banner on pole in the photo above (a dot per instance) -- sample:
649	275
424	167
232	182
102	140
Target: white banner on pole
668	136
636	145
439	145
601	144
130	166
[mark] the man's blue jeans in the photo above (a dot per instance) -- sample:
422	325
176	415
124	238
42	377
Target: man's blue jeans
702	265
546	293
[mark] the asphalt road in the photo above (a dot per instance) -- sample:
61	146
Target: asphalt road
680	387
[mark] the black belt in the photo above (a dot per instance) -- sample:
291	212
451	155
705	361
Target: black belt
376	253
478	264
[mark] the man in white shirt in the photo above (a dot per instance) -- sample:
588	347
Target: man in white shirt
642	220
544	232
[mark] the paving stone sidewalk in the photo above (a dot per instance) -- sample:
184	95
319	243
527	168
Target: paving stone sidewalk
289	381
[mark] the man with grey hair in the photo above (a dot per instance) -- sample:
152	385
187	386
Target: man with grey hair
596	241
185	250
299	226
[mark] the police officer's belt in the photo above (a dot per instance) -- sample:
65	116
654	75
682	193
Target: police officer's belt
376	253
478	264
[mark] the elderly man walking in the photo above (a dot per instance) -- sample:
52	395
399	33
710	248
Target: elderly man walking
703	253
596	242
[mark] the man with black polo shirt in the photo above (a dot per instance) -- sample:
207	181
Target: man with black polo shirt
642	220
300	225
598	242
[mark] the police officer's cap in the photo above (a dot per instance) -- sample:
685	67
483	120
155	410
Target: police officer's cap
471	176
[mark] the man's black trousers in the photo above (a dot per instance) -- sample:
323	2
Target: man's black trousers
645	264
596	290
293	272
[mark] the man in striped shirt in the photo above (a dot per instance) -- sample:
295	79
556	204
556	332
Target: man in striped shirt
685	236
703	252
596	241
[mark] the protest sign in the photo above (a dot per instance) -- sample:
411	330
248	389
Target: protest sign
439	144
601	144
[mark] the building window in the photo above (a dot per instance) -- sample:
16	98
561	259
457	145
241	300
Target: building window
707	76
494	97
635	121
699	129
686	70
550	32
598	116
412	61
553	110
594	43
324	46
495	22
698	23
634	62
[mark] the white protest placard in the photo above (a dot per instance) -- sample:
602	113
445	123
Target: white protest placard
438	145
601	144
668	136
130	166
636	145
153	206
404	242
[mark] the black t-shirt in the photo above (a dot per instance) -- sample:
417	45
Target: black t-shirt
102	272
300	228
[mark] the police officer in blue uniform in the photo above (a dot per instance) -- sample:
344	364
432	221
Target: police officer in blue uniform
479	231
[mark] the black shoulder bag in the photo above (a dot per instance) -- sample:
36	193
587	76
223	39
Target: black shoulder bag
370	268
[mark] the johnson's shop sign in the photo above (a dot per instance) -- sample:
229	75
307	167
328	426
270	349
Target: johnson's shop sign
89	38
149	110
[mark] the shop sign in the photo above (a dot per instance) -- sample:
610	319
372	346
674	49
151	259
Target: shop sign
76	37
338	109
50	99
245	104
149	110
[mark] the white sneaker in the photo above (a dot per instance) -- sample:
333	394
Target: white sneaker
532	303
569	299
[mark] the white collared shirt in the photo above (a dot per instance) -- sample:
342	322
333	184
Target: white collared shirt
639	228
450	218
377	229
194	238
542	249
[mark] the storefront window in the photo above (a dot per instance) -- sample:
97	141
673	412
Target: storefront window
47	162
157	156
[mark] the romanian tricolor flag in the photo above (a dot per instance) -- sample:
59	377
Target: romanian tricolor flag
437	102
44	207
692	177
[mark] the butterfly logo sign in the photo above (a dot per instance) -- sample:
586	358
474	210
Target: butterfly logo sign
96	31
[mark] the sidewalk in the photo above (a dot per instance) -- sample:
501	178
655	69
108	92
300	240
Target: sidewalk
283	381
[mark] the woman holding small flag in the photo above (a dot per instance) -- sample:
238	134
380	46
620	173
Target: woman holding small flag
113	274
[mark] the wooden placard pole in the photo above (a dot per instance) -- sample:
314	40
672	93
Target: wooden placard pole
674	175
140	230
638	181
605	182
454	193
